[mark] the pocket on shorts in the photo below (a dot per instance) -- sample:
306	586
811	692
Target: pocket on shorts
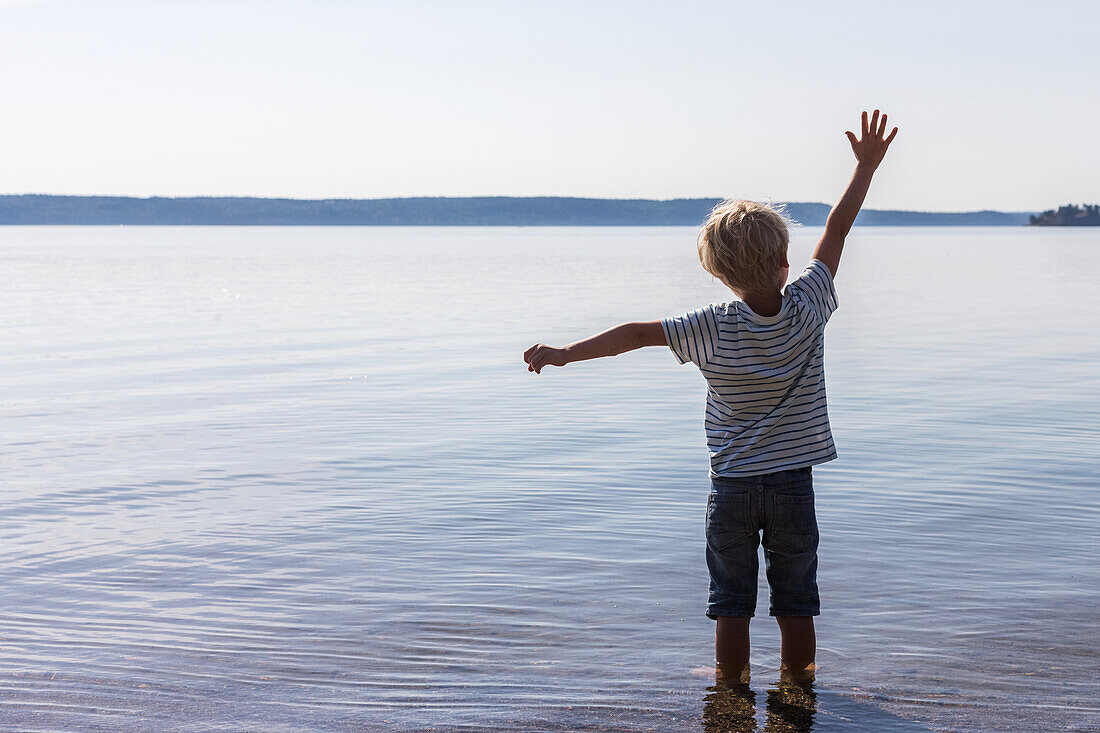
729	519
794	521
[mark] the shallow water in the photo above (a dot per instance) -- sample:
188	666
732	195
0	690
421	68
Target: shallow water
296	478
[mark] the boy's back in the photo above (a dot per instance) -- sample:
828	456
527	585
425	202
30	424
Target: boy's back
766	408
766	418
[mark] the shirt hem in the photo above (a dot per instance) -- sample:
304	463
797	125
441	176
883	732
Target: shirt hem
772	468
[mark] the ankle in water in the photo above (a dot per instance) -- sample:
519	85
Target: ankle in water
729	675
805	674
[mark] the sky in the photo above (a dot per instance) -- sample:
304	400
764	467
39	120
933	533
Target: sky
996	101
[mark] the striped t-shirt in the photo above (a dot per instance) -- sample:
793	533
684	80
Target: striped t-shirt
765	377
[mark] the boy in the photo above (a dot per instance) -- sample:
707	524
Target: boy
766	419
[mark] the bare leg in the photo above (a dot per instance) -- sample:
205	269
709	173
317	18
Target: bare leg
799	645
731	645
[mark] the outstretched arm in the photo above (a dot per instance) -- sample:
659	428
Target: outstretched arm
869	150
613	341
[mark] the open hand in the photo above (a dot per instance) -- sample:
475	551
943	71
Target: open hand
870	148
541	355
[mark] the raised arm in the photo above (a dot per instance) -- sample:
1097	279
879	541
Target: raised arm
869	149
613	341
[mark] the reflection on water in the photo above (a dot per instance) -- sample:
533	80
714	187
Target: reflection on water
729	708
730	704
791	706
288	478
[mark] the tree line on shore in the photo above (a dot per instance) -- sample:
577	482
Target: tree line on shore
1068	216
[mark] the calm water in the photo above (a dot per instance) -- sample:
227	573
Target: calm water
289	478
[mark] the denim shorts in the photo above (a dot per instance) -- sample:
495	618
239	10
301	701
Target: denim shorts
781	505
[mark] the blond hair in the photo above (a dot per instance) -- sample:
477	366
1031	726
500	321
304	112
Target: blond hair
744	244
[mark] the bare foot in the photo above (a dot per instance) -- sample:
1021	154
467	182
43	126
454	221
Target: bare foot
730	676
798	676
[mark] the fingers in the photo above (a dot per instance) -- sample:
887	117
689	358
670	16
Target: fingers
874	127
535	358
852	138
892	133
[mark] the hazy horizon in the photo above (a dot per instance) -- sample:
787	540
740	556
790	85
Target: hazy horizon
364	100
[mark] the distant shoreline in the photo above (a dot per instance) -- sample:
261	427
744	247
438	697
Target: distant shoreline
46	209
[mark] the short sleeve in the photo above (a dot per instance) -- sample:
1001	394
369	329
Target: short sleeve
692	336
814	291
